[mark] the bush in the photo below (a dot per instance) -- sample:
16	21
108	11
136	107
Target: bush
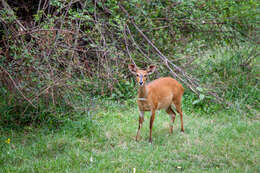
62	54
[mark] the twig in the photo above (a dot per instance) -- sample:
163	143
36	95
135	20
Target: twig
39	7
157	28
126	44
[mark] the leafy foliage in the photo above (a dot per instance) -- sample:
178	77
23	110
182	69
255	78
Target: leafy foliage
53	53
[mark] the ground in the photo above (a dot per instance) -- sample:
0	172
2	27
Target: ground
105	142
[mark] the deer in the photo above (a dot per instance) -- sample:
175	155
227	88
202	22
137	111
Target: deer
155	95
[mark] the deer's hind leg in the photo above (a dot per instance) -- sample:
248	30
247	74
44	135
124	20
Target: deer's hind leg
179	110
172	115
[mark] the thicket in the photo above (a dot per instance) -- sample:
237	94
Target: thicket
60	56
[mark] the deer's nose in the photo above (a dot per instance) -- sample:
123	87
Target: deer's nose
141	80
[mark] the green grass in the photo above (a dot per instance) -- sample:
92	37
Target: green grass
221	142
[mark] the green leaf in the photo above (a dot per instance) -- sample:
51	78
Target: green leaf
202	96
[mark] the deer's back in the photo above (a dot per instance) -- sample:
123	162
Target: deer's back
161	92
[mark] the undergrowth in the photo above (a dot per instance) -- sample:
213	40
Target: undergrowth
233	73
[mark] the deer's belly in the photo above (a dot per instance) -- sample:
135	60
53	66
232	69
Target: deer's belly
164	102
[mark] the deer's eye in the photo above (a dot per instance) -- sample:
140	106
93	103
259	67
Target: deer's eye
137	75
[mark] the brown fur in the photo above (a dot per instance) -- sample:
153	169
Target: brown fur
158	94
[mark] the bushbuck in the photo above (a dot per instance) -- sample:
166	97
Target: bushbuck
158	94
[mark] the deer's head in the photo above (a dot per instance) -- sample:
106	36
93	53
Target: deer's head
141	75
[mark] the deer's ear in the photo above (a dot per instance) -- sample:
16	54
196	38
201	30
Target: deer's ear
151	69
132	68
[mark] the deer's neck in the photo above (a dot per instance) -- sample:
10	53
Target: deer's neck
142	92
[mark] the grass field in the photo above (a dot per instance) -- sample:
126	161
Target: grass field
104	142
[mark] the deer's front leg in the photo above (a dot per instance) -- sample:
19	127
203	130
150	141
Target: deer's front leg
151	124
141	120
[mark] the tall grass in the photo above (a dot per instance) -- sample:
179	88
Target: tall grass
233	73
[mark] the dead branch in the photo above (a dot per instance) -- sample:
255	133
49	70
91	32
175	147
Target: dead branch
126	44
134	42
